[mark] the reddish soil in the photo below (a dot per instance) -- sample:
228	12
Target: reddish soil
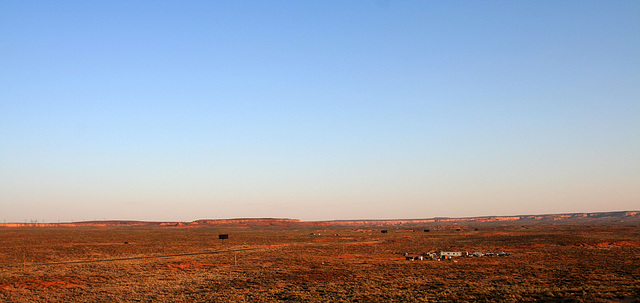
185	266
53	282
605	244
549	263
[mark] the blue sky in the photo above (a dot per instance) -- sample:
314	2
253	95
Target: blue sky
172	110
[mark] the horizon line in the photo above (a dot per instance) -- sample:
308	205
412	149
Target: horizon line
311	221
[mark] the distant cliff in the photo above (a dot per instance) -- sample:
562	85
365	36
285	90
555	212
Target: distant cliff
247	221
576	218
619	217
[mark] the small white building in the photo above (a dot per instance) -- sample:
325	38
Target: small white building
448	254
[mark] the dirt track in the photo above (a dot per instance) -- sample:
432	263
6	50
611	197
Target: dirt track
177	255
137	258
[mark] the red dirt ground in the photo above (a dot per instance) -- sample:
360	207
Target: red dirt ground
53	282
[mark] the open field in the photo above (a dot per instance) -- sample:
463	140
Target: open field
318	264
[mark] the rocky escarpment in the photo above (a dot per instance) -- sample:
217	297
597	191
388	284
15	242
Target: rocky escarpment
247	221
629	217
575	218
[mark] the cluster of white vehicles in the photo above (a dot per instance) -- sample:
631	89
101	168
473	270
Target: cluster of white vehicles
488	254
447	255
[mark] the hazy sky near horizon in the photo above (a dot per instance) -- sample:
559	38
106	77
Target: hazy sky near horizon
183	110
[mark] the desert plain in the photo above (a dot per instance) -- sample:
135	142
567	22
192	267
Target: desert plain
559	258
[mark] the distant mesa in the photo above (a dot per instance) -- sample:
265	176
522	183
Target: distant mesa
249	221
618	217
575	218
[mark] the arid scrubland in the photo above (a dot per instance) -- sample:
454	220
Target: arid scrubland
318	264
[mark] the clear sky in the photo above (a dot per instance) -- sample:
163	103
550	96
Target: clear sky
316	110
